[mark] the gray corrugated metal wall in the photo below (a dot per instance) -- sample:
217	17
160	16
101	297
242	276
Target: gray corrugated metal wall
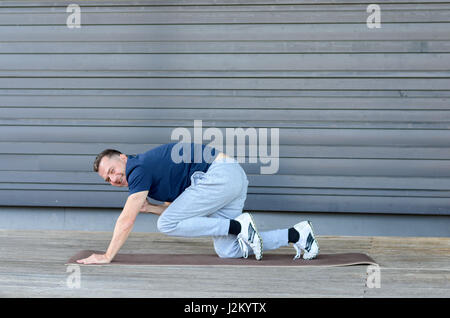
363	113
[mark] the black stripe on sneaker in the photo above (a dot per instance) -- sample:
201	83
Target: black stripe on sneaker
251	233
309	242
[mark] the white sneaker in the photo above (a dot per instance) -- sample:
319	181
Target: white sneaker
307	241
249	236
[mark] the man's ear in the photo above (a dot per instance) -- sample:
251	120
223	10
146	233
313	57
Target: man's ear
123	157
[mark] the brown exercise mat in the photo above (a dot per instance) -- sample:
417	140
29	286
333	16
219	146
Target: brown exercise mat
343	259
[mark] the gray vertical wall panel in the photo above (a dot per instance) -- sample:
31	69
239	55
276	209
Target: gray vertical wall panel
364	114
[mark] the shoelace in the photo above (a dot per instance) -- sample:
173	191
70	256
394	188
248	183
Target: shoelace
243	247
298	250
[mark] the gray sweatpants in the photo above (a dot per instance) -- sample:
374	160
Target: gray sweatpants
207	205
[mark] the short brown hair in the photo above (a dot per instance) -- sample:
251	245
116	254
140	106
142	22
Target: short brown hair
105	153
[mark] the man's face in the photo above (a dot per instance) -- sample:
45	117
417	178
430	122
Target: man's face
112	170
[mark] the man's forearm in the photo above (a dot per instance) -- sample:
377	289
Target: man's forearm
120	235
124	227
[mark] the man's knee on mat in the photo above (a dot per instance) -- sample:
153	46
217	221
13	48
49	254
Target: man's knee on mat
227	249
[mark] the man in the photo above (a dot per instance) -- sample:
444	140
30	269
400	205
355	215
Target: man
202	198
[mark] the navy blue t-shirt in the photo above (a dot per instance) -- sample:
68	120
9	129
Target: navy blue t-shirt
166	175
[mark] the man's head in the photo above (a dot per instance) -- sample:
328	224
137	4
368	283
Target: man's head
110	164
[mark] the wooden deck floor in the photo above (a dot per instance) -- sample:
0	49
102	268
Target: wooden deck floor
32	265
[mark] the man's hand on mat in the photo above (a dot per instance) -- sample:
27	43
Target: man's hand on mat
158	209
95	259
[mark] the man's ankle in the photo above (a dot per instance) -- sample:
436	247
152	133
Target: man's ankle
235	227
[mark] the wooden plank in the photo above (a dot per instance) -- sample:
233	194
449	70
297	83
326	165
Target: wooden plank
285	124
237	74
350	182
74	148
160	135
255	202
229	32
56	177
187	94
90	178
297	191
63	198
81	188
85	99
235	83
348	204
226	62
215	46
146	7
287	166
225	17
53	3
292	151
228	115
